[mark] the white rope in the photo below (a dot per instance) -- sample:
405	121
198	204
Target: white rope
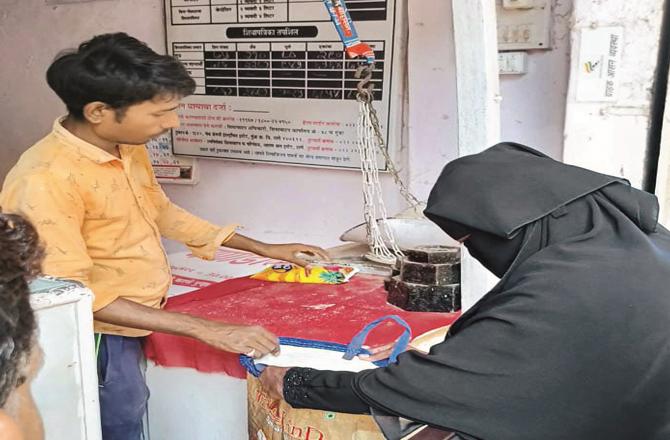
378	232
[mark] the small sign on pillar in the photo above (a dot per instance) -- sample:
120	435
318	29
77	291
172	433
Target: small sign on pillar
598	68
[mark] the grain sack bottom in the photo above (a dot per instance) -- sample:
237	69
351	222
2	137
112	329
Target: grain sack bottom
276	420
271	419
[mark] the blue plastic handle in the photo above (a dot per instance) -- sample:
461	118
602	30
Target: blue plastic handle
355	347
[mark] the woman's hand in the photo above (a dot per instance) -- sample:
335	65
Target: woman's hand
272	381
378	353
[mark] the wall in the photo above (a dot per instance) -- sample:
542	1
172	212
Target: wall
433	113
32	33
663	176
532	111
533	104
611	137
277	203
281	203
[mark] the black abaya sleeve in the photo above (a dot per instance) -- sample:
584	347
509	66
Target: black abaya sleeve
333	391
324	390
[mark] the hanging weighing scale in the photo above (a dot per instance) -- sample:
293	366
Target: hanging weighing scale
379	234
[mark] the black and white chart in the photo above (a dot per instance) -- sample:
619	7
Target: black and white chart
274	83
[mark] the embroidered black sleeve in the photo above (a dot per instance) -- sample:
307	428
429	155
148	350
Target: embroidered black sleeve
295	382
325	390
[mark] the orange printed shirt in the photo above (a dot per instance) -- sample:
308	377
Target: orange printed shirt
101	219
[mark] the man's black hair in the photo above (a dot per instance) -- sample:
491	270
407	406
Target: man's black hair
118	70
20	259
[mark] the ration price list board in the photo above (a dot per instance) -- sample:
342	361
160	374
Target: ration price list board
273	82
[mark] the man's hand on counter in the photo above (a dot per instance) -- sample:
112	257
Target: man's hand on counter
290	252
253	341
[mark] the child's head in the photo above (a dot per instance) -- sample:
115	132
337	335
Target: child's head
127	92
20	357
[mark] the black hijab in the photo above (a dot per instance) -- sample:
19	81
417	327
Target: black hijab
574	341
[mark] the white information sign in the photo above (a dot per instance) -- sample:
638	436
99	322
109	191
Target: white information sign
273	82
599	60
169	168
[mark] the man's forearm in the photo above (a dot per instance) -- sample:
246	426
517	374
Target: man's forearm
235	338
291	252
238	241
126	313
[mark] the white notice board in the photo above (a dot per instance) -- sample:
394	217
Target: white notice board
273	82
169	168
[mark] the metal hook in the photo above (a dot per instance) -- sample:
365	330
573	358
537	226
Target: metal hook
365	87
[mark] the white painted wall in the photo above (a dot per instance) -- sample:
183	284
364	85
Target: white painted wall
31	34
215	405
612	137
533	107
279	203
478	89
663	176
433	119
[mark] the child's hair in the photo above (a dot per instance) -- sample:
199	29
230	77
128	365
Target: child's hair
20	258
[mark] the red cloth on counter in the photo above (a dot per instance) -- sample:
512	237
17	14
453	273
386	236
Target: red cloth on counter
333	313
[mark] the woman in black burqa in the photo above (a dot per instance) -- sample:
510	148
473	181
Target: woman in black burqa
572	343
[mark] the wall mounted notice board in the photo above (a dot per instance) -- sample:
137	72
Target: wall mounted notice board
169	168
273	82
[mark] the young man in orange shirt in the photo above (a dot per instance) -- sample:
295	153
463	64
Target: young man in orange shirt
89	189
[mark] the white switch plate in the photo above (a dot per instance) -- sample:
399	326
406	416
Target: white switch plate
512	63
521	29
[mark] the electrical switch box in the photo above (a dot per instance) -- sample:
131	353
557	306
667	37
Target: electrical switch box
523	24
512	63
